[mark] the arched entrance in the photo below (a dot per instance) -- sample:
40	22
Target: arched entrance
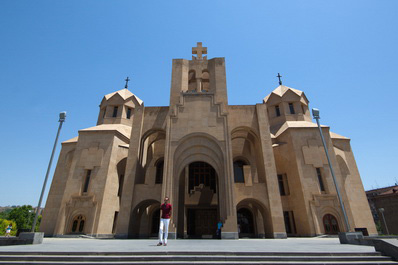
198	201
144	217
330	224
245	223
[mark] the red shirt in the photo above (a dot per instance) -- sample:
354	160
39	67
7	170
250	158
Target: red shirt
166	210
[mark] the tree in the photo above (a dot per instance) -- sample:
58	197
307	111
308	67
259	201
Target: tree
23	217
4	224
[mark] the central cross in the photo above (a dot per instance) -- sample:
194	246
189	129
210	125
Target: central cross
127	82
279	77
199	50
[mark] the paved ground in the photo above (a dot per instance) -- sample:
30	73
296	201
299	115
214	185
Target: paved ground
242	245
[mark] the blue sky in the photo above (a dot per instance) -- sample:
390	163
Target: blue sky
66	55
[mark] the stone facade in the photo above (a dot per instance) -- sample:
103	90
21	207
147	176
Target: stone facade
260	169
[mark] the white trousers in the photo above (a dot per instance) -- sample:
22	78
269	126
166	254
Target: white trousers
163	230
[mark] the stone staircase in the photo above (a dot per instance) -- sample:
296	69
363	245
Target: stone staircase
170	257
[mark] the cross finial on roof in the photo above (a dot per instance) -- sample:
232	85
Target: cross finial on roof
199	50
279	77
127	82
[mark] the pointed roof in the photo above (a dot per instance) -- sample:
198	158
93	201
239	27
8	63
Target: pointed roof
124	93
281	90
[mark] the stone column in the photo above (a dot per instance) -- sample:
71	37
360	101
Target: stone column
132	165
275	217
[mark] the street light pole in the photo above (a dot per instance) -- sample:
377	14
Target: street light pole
62	117
384	220
315	114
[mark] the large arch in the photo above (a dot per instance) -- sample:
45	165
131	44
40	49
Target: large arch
198	147
151	149
246	147
260	216
141	219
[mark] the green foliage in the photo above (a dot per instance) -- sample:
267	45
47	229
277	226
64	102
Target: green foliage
4	224
4	214
23	217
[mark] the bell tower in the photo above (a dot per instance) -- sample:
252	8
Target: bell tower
198	76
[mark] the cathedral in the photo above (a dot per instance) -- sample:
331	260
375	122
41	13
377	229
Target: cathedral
259	169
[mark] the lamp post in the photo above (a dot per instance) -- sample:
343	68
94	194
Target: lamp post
384	220
315	114
62	117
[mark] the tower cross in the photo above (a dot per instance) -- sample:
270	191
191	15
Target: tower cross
279	77
127	82
199	50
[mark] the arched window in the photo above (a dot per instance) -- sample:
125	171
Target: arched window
159	171
330	224
192	80
78	224
238	171
205	81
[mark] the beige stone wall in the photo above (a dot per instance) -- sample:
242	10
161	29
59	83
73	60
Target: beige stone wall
199	125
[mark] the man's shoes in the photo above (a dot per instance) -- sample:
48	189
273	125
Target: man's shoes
165	244
159	244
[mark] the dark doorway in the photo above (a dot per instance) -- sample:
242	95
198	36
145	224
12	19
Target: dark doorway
245	223
155	223
202	223
330	224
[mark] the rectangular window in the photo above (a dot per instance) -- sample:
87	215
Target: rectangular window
290	224
281	185
291	108
277	111
87	181
286	218
128	115
302	108
320	179
114	112
104	113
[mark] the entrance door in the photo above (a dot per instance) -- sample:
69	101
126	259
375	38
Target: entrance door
330	224
245	223
202	223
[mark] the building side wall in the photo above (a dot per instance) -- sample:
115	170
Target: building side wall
57	189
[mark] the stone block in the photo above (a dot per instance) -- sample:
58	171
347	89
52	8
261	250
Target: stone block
32	238
350	237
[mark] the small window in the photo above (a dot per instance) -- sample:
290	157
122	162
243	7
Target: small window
303	109
128	113
291	108
114	112
87	181
103	116
281	185
238	171
320	179
290	224
159	172
277	111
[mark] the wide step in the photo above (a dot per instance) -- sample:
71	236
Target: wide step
193	258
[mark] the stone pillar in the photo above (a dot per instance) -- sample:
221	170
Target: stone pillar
275	217
132	169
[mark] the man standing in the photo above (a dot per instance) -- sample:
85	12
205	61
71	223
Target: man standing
164	222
